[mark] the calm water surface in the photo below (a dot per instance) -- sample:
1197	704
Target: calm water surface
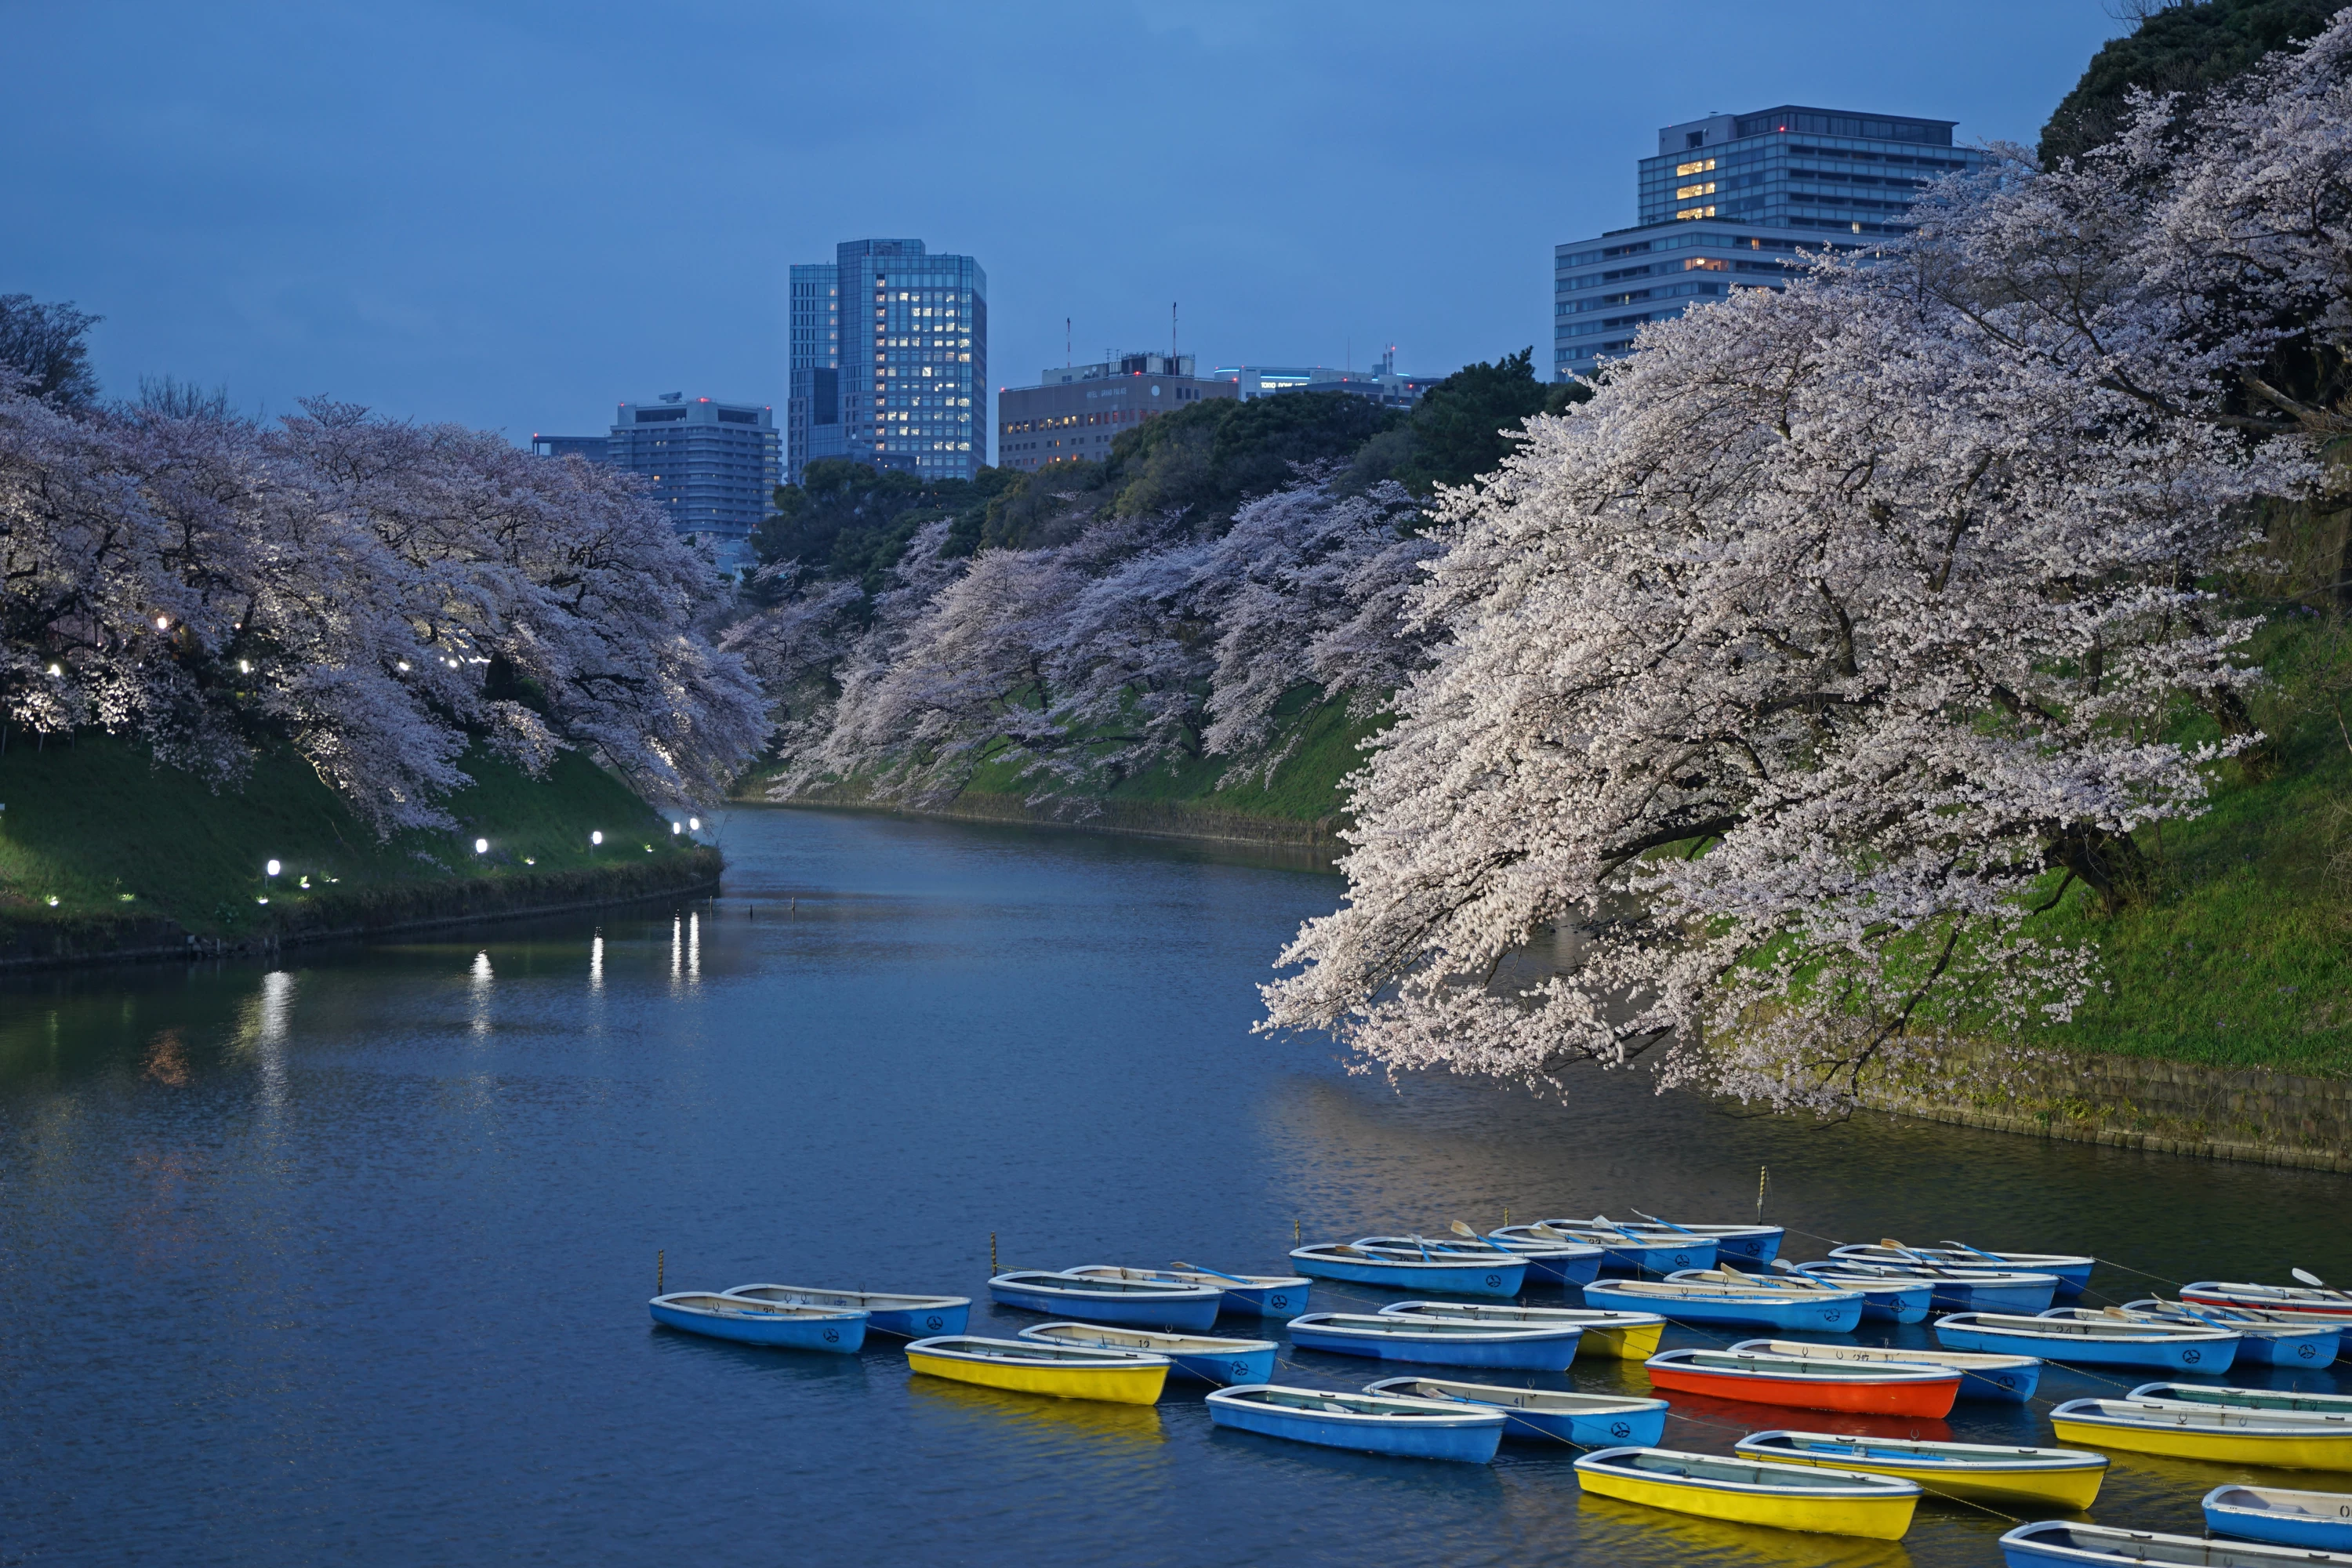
347	1261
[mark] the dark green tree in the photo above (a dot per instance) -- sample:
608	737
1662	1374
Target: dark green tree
1463	426
2179	46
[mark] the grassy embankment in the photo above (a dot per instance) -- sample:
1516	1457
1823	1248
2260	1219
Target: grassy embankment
99	847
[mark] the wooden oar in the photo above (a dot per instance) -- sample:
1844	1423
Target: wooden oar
1798	1276
1485	1243
1913	1254
1196	1269
1670	1225
2317	1283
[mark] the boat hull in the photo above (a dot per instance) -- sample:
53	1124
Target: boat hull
1876	1519
1548	1268
1639	1342
1797	1312
1470	1442
2073	1489
1114	1386
2284	1451
841	1334
1181	1315
1284	1300
2289	1349
2207	1357
2323	1524
1501	1279
2013	1384
2049	1541
1927	1400
1550	1351
1637	1429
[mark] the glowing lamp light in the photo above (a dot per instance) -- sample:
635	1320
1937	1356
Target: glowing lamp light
163	623
402	667
481	845
273	867
244	667
694	823
596	838
675	828
53	900
57	669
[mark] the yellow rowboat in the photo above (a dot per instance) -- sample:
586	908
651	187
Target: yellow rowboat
1972	1471
1628	1336
1027	1366
1786	1497
2282	1439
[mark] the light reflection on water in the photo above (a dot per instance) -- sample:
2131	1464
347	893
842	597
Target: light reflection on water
347	1258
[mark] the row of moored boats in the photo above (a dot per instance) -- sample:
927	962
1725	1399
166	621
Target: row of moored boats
1119	1333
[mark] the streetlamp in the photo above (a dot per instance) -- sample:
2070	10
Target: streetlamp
273	869
597	838
481	845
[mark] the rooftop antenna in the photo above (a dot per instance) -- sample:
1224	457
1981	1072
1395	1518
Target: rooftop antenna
1066	360
1171	337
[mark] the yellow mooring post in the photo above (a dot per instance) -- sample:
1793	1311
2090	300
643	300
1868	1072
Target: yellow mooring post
1763	1174
660	1259
1294	1230
992	1268
1506	1214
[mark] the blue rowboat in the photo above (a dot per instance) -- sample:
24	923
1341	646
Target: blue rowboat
1954	1290
1439	1342
1248	1295
1688	1301
1624	1251
2072	1271
1363	1423
765	1323
2313	1304
2010	1379
1550	1261
1888	1298
1627	1336
2271	1338
2111	1342
1455	1275
1203	1357
1134	1303
1753	1246
2301	1404
1896	1303
1587	1420
910	1317
2316	1521
2054	1541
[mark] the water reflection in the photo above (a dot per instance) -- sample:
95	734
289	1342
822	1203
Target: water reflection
1625	1532
988	1415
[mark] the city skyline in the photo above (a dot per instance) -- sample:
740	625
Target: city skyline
453	214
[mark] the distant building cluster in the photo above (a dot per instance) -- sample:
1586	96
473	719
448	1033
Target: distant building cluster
888	360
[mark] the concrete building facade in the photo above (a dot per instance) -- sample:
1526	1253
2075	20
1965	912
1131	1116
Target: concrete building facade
714	466
1730	201
1075	411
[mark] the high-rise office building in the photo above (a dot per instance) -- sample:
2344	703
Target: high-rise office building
714	466
1729	201
890	361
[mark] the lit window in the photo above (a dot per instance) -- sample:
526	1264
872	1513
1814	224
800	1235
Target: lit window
1700	167
1685	193
1695	211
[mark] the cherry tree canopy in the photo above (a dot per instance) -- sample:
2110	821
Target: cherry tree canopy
1783	675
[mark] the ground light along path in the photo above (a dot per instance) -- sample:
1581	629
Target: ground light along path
350	1261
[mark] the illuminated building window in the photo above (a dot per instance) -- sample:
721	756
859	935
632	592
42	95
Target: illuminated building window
1695	211
1701	167
1685	193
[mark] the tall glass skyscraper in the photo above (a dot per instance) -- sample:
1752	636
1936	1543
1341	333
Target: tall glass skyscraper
894	360
1731	200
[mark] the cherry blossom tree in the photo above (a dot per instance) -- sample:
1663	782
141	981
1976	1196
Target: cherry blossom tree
1788	680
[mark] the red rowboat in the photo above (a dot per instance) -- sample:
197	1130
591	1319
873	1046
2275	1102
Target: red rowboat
1867	1388
2318	1305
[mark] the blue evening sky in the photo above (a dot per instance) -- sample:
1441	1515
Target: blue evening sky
518	213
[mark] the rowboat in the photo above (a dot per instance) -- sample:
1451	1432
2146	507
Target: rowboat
910	1317
2011	1378
1250	1295
1027	1366
2317	1521
718	1317
2275	1438
2073	1271
2062	1477
2056	1541
1549	1262
1787	1497
1889	1297
2287	1399
1587	1420
1891	1300
2271	1338
1136	1303
1863	1388
1626	1252
1754	1245
1688	1302
1366	1422
1456	1276
2099	1341
1203	1357
1952	1293
1439	1342
1628	1336
2328	1306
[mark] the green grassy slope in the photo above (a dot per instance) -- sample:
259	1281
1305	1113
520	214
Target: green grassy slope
94	834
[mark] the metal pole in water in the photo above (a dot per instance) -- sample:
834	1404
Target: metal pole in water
660	1259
